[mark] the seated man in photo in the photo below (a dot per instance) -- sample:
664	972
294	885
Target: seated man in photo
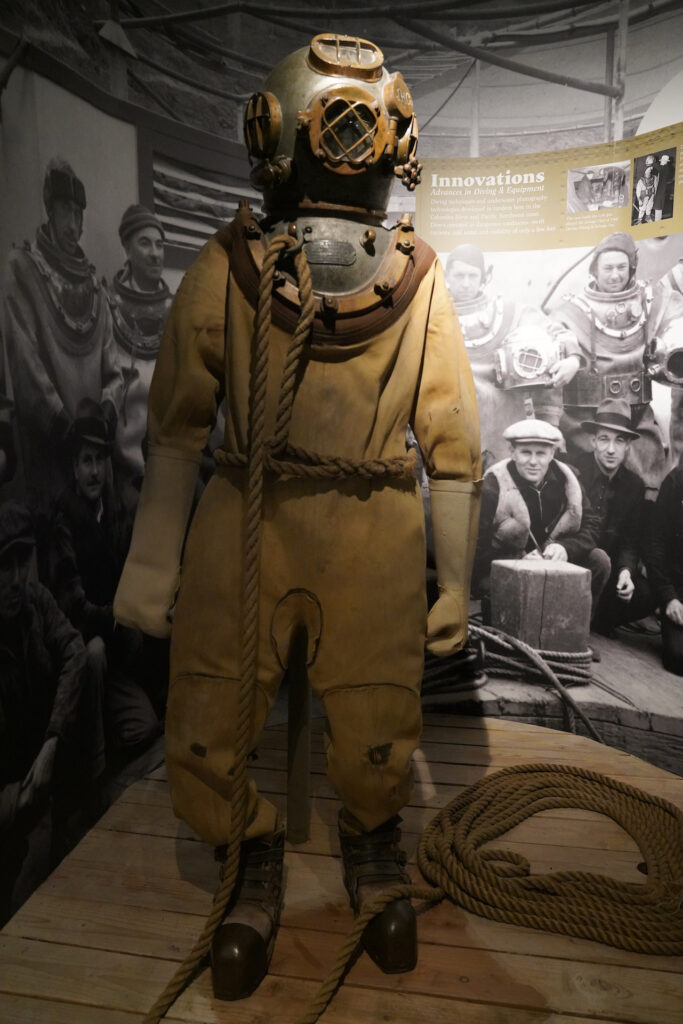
42	672
92	536
617	496
533	506
664	561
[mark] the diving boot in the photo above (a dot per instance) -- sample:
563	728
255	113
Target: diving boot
374	861
242	946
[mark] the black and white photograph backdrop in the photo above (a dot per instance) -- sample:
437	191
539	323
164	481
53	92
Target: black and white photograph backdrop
122	153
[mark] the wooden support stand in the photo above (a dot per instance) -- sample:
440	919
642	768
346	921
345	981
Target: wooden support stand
298	742
545	604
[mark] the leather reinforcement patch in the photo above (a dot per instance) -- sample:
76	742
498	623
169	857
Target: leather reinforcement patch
379	755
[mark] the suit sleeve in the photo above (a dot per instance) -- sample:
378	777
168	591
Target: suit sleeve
580	544
446	420
69	659
633	521
660	545
183	396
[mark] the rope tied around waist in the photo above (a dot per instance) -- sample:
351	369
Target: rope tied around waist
298	462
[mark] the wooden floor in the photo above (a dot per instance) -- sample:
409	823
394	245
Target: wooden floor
632	701
98	941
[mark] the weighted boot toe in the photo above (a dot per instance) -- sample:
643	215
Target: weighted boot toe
239	960
373	861
242	946
390	938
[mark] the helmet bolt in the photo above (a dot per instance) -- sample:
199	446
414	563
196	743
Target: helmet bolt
330	303
385	286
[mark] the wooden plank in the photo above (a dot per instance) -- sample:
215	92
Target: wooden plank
114	925
103	934
144	856
90	977
312	880
501	743
635	995
124	982
596	758
276	993
29	1010
285	1001
147	931
437	796
586	828
545	745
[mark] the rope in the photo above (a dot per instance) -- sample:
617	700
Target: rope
250	588
540	662
498	884
295	461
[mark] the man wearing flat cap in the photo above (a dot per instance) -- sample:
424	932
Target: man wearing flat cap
140	302
519	357
533	506
615	318
92	536
56	328
617	496
42	671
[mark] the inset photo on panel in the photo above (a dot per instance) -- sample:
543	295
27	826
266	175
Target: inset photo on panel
653	186
601	187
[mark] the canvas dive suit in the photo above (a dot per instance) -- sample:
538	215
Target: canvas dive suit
344	556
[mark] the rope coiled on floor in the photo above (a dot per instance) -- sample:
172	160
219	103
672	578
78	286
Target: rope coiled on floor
498	884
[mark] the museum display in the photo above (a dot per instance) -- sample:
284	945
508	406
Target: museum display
329	335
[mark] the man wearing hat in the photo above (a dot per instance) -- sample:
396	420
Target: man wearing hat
42	670
57	331
617	496
92	537
533	506
488	322
614	319
140	301
664	560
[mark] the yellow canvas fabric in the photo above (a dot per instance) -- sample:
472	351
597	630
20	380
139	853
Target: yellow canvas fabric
354	547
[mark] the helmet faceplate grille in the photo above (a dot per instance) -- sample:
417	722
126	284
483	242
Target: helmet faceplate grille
348	131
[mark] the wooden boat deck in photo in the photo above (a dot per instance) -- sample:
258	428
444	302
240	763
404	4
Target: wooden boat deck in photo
101	937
